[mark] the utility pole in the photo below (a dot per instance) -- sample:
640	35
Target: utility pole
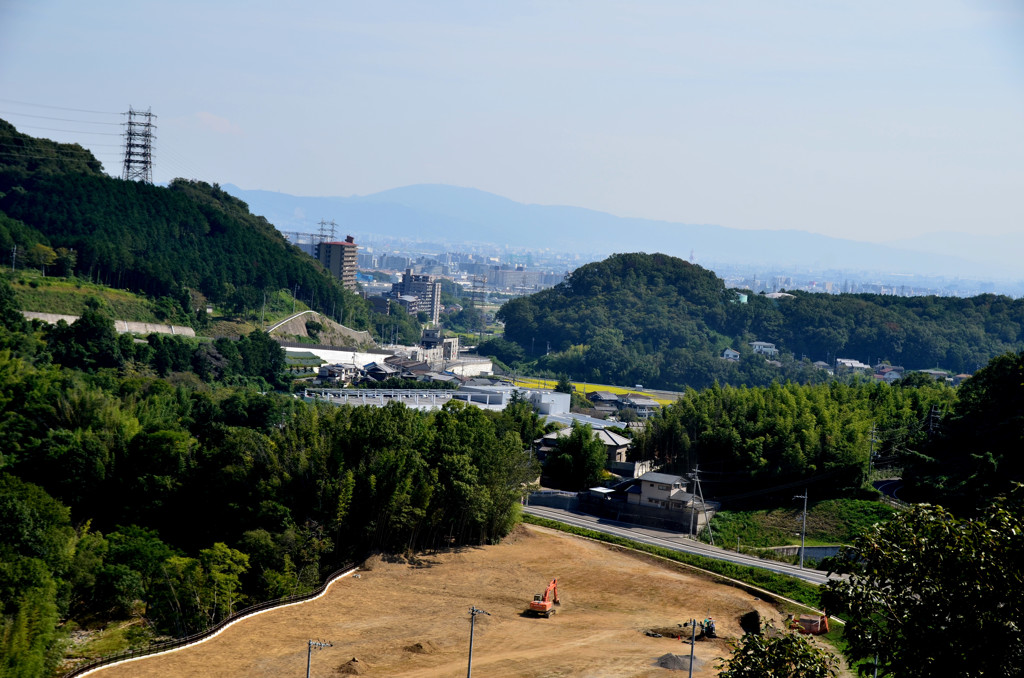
693	642
803	531
318	644
473	612
933	420
871	450
14	258
703	505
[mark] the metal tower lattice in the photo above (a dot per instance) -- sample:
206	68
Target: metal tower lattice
138	146
326	232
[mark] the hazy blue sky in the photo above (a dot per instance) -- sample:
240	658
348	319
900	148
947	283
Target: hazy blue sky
868	120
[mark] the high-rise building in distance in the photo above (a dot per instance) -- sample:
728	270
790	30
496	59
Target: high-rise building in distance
340	259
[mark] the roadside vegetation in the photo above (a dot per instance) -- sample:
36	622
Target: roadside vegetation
834	521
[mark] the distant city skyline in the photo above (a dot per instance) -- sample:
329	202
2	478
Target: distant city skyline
866	121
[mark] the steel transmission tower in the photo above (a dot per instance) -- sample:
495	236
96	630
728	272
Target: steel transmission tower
138	146
326	232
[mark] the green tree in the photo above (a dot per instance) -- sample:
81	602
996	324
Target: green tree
778	654
504	350
66	260
579	460
36	550
41	256
88	343
930	594
977	454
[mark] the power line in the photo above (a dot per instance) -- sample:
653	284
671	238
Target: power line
59	108
59	149
71	131
48	117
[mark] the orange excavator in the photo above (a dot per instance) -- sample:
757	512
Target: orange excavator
543	603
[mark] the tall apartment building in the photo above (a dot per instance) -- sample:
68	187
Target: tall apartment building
340	259
424	288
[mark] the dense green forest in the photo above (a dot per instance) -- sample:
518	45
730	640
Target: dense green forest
179	498
189	242
975	452
663	322
745	440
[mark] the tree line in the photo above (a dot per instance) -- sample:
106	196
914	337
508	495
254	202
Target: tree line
663	322
749	439
134	485
185	242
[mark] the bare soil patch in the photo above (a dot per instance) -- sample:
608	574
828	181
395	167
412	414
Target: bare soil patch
400	619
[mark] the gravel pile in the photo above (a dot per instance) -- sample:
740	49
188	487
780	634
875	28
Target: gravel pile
678	662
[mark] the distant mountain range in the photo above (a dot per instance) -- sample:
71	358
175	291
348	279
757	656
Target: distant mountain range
452	215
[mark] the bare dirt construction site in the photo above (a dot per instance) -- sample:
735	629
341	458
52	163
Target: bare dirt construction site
401	619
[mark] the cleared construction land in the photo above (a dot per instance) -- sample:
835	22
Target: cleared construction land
401	619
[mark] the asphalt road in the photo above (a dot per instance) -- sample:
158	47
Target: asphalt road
672	540
890	487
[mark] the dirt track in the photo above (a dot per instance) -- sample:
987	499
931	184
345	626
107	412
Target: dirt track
609	598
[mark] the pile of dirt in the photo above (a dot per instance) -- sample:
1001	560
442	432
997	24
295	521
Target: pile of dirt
679	662
422	648
353	667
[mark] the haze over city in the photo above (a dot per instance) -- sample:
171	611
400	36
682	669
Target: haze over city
864	121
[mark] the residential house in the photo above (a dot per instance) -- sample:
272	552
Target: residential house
765	348
336	374
851	365
615	446
604	402
644	406
731	354
888	373
663	491
381	371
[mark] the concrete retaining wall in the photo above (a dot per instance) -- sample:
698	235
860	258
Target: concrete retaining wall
122	326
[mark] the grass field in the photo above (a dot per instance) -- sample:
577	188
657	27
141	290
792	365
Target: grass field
35	293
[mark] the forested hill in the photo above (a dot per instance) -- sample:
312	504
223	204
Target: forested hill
663	322
143	237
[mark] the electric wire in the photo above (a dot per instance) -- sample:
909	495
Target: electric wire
60	108
73	131
50	117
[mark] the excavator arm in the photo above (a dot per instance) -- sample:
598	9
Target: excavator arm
542	603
